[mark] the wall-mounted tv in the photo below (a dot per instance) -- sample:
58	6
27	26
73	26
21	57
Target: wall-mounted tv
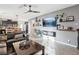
49	22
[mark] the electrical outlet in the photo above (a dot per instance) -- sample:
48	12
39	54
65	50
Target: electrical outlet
68	41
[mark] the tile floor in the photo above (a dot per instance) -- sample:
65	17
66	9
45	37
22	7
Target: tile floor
61	49
58	48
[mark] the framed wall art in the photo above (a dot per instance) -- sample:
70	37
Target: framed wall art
70	18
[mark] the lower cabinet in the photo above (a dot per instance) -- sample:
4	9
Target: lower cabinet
49	45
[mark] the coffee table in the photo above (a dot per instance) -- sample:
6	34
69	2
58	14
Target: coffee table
33	49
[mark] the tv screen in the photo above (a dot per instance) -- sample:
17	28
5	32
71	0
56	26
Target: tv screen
49	22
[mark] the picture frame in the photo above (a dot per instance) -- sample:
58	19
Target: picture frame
60	27
70	18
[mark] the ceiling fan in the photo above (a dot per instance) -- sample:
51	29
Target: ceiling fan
30	10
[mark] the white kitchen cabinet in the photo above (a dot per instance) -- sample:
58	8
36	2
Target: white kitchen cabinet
49	45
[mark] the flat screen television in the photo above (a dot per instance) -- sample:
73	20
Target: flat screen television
49	22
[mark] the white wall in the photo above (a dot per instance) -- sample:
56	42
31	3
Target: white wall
65	36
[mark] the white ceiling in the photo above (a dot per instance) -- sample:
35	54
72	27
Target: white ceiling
11	10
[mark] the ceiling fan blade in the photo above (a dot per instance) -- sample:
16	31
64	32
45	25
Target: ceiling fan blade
36	11
32	11
26	12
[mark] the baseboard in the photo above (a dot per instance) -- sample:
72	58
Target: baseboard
66	44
